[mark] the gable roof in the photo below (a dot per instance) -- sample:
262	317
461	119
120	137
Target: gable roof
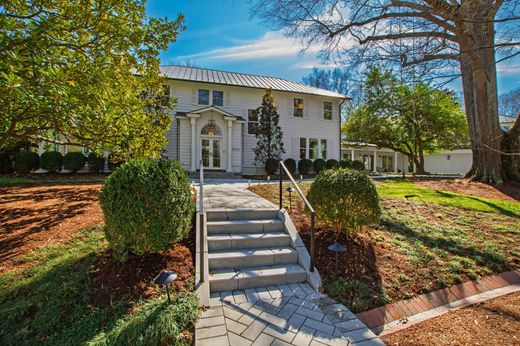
194	74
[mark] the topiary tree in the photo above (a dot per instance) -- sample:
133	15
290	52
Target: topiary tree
344	200
304	166
271	166
319	165
51	161
74	161
6	164
291	165
345	164
26	161
332	163
358	165
147	206
96	163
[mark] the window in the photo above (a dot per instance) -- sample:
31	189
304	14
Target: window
252	121
303	148
313	148
165	98
323	149
298	108
327	110
203	97
347	156
218	98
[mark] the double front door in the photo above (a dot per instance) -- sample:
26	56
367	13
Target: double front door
211	152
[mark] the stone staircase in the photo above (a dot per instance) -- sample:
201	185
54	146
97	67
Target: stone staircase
214	175
250	248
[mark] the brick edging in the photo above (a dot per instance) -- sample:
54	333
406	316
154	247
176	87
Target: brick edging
405	308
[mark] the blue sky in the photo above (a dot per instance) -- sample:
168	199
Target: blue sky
221	35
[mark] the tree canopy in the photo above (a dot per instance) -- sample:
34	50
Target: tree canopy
69	68
409	119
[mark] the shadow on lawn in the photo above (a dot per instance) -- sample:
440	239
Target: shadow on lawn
492	205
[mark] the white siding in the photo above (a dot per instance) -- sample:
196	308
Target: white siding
449	162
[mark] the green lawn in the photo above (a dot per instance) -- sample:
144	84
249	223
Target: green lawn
49	302
5	181
9	181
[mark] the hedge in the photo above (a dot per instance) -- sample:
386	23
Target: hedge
304	166
51	161
26	161
96	163
74	161
291	165
319	165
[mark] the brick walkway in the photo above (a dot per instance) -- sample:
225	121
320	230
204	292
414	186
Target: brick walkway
291	314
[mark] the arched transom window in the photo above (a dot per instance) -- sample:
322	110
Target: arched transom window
211	130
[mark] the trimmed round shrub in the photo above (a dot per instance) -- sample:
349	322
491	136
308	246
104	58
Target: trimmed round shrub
344	200
358	165
6	164
345	164
271	166
332	163
147	206
26	161
319	165
95	163
291	165
304	166
51	161
74	161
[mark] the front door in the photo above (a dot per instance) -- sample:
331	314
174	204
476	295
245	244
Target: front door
211	152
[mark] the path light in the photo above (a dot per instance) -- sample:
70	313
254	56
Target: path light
290	189
337	248
164	279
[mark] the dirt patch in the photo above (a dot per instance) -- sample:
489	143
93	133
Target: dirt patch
495	322
34	216
131	280
506	192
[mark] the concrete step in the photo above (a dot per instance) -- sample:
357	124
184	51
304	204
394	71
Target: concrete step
241	241
241	214
229	279
238	259
244	226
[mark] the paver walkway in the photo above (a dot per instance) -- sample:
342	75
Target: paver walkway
233	195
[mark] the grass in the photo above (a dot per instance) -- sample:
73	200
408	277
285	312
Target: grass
6	181
49	302
10	181
426	240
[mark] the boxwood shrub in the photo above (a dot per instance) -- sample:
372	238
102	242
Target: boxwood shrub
26	161
74	161
271	166
95	162
319	165
345	164
147	206
51	161
291	165
6	164
358	165
332	163
344	200
304	166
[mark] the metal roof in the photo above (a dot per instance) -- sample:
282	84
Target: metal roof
193	74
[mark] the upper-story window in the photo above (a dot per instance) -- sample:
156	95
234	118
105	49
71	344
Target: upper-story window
298	108
252	121
203	97
165	98
218	98
327	110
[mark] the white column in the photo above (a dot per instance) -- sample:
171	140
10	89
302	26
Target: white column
352	155
230	146
193	145
375	160
395	161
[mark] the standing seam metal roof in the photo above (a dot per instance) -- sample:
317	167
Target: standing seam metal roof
242	79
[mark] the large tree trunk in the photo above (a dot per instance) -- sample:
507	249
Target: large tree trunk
481	100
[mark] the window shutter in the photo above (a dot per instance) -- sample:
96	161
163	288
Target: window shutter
194	96
295	148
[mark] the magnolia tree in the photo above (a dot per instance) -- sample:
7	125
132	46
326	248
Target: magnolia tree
427	38
70	67
269	135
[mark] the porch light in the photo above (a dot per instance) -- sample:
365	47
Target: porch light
211	127
337	248
164	279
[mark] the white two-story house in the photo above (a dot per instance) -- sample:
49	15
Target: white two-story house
215	118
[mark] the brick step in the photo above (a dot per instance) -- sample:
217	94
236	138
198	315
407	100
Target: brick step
241	214
248	241
244	226
248	258
229	279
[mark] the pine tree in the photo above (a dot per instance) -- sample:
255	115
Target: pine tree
269	134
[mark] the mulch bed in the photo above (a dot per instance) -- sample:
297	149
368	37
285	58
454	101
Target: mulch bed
32	217
494	322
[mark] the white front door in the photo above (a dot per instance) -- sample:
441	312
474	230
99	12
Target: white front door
211	152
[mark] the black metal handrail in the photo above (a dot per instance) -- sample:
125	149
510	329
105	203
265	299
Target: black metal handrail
202	213
283	168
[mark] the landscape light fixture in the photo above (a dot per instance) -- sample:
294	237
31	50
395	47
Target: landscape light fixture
337	248
164	279
290	190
